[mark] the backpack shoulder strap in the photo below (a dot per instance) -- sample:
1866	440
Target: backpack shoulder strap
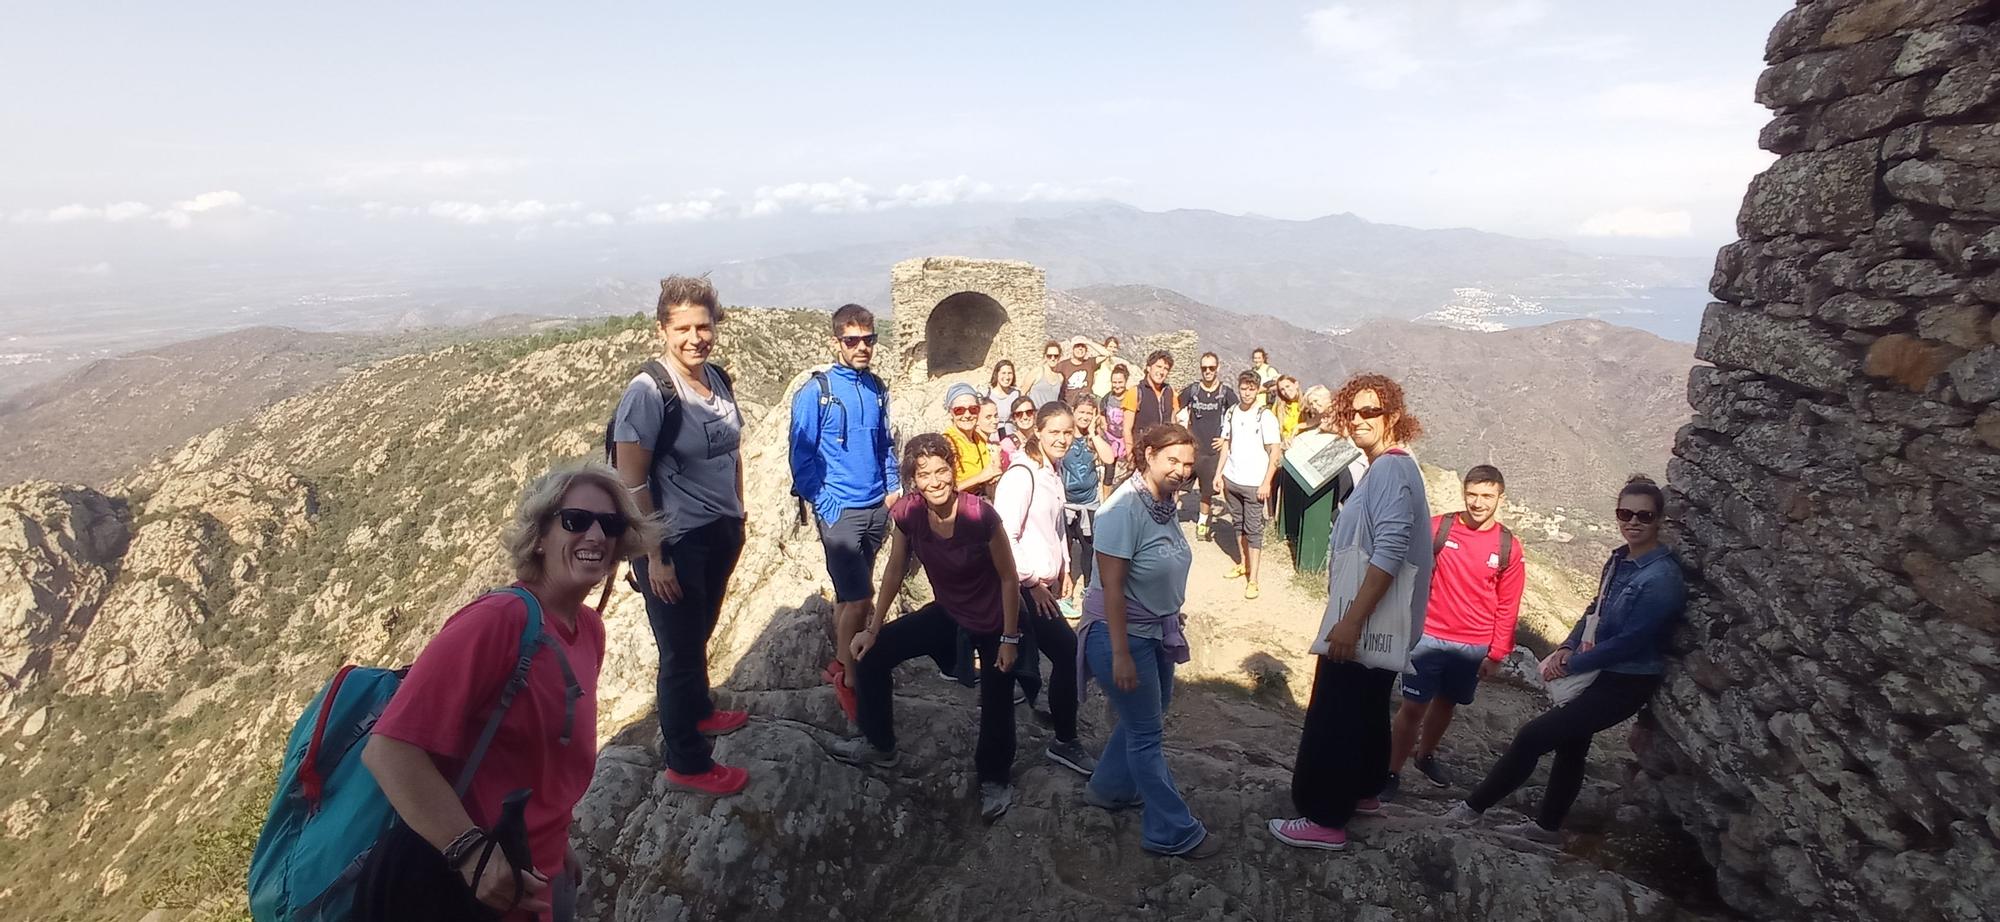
1506	549
670	404
1443	533
533	638
1027	509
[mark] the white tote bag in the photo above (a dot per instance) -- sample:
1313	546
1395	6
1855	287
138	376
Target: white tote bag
1564	690
1387	637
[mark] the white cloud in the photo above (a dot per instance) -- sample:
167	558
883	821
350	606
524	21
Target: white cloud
506	212
411	175
599	219
846	195
1382	44
74	213
699	205
1498	19
1638	222
935	192
209	201
126	211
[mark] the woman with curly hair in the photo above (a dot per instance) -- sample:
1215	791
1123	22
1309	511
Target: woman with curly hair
1344	748
440	860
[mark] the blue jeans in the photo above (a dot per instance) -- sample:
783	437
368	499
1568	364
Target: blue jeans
1133	765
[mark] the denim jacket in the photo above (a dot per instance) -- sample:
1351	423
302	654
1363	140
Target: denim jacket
1642	601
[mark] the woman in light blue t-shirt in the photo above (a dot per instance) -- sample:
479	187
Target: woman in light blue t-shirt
1132	640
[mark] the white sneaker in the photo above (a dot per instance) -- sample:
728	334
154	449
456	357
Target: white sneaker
1463	816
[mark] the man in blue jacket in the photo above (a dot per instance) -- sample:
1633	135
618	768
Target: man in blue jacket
844	465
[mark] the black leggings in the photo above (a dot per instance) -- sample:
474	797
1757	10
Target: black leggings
1565	730
1344	749
929	631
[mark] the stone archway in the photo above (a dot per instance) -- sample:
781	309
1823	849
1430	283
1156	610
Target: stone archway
962	332
955	315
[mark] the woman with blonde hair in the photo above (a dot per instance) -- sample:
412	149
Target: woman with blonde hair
442	859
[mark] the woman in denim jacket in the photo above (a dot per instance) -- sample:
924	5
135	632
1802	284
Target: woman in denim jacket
1643	597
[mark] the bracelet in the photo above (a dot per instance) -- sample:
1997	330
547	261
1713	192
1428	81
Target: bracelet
463	846
1011	639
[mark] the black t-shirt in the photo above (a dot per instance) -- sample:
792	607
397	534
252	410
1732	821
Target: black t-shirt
1076	377
1205	411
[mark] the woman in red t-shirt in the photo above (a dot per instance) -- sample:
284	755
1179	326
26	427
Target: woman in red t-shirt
571	527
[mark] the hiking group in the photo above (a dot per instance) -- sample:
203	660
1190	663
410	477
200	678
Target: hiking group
1048	522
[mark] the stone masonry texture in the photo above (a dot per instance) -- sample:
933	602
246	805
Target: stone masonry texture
955	314
1831	734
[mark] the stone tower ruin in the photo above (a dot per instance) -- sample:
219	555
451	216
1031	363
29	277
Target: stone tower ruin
1832	733
956	315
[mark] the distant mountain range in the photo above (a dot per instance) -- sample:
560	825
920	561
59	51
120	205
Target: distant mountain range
1326	273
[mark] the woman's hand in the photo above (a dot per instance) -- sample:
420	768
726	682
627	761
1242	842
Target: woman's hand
495	887
1124	672
1004	660
1345	636
1557	667
863	641
1045	602
660	576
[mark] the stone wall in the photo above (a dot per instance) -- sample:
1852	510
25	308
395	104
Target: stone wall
955	315
1832	735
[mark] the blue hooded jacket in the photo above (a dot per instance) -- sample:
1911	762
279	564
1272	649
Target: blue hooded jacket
1642	601
841	454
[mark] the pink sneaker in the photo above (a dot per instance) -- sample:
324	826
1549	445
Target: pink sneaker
1304	833
1368	806
718	723
720	780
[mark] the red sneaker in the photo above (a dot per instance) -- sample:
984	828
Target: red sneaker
718	723
720	780
848	704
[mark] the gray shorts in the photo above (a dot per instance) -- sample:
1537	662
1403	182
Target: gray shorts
1246	510
851	544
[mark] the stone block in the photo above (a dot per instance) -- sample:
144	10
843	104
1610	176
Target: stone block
1963	89
1905	142
1860	312
1975	145
1987	427
1976	376
1793	350
1983	251
1944	184
1826	193
1784	134
1910	278
1955	597
1872	114
1823	76
1899	224
1939	47
1964	325
1913	411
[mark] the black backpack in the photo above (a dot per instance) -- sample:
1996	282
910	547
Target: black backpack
827	398
1444	530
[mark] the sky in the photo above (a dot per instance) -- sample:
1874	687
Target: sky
146	134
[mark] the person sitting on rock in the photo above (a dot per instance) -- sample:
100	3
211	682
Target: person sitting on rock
1344	745
844	465
1468	625
1132	639
569	530
1030	498
693	478
964	550
1622	639
978	462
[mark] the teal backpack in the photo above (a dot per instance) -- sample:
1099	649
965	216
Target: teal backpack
328	813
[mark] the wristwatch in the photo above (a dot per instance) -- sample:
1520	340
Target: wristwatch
1010	639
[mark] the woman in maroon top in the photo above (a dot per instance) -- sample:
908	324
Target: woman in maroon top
964	549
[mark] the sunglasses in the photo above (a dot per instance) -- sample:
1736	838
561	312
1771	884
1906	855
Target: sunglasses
1020	413
1209	367
1644	516
965	411
854	341
578	521
1368	412
1053	355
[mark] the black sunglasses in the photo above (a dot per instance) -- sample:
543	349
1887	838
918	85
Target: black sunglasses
1369	412
1644	516
853	341
578	521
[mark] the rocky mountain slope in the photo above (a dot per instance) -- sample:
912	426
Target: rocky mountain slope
1567	410
163	632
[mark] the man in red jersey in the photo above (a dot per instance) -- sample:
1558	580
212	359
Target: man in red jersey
1468	628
